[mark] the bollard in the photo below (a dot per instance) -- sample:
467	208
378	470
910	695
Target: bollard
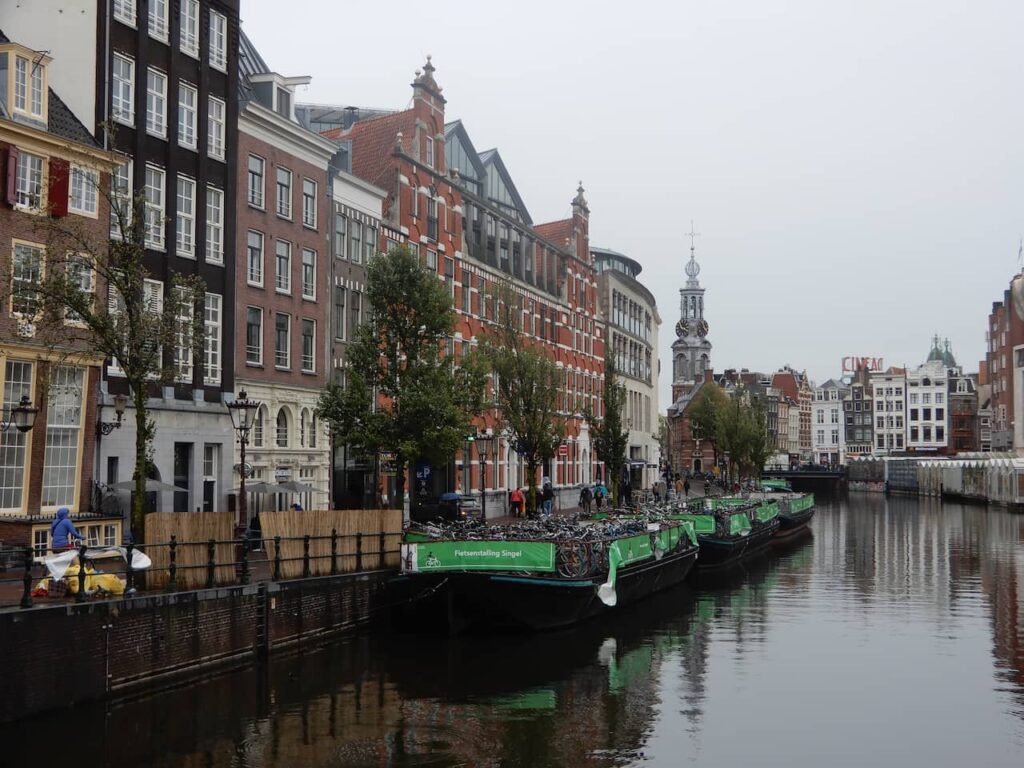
334	551
80	597
211	563
129	573
277	558
305	556
172	568
26	595
245	561
359	551
383	543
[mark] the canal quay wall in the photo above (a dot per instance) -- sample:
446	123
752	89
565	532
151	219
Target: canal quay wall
66	655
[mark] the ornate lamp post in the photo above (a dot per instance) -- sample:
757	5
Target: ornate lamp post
243	412
484	445
22	416
106	427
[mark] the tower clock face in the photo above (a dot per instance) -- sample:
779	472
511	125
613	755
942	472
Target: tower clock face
682	328
702	328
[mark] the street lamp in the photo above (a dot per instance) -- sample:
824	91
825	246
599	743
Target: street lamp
484	445
106	427
243	412
23	416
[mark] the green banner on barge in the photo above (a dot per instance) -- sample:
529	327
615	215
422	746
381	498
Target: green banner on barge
428	556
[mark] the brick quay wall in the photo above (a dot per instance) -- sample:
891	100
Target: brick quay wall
65	655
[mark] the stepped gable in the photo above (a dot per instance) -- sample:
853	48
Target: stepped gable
373	144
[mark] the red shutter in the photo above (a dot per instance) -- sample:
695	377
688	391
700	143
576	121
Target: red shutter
59	180
12	175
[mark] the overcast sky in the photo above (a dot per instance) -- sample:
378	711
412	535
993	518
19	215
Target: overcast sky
854	168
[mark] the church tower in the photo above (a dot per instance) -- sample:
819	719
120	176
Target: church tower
691	351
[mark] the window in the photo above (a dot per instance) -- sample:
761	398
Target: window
156	103
256	165
926	414
218	41
926	398
121	199
26	274
123	95
282	329
124	10
188	115
83	192
158	19
183	357
340	235
940	414
339	313
215	128
938	398
308	346
80	274
369	242
154	207
913	414
212	342
254	335
282	428
28	189
309	202
40	541
257	427
940	434
13	457
214	225
432	260
28	86
428	157
190	27
284	193
254	259
283	283
926	434
432	218
308	274
185	225
355	231
354	311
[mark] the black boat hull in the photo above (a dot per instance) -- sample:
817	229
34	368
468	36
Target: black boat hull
791	524
462	602
724	551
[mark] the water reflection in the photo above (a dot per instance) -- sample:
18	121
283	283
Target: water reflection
894	633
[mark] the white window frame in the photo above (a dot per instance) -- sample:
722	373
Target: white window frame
249	348
26	305
308	362
124	11
156	103
121	183
309	286
283	280
216	117
122	97
188	115
80	271
218	41
184	359
286	353
284	202
83	195
28	190
185	223
188	24
256	197
28	87
214	225
15	456
156	206
159	19
212	346
254	276
309	203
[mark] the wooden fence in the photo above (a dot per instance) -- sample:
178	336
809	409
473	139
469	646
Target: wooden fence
193	531
292	526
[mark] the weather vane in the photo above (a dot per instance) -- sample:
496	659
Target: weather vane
691	234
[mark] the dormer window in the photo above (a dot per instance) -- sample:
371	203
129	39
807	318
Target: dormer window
29	87
284	103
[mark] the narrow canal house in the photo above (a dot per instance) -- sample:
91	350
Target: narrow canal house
54	168
460	210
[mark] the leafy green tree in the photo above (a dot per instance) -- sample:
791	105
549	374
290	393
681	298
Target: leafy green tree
527	386
96	293
401	394
760	446
705	414
606	431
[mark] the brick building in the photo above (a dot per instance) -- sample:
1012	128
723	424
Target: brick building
55	170
1004	363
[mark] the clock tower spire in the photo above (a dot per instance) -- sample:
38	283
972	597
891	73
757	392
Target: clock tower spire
691	351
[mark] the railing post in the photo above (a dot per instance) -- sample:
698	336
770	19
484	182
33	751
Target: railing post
277	558
211	563
245	561
129	574
383	543
26	595
334	551
359	551
305	556
172	568
80	597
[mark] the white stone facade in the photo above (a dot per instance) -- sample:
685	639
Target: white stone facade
888	390
828	432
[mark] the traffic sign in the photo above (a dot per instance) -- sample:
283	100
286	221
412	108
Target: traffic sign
563	450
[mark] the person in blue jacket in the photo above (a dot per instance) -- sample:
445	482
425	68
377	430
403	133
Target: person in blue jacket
60	529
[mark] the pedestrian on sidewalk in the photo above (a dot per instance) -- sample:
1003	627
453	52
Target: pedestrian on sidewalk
686	488
517	501
547	497
586	496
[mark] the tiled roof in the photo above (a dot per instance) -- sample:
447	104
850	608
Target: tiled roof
786	382
373	143
557	232
61	121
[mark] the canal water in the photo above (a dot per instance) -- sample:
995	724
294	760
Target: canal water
892	635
